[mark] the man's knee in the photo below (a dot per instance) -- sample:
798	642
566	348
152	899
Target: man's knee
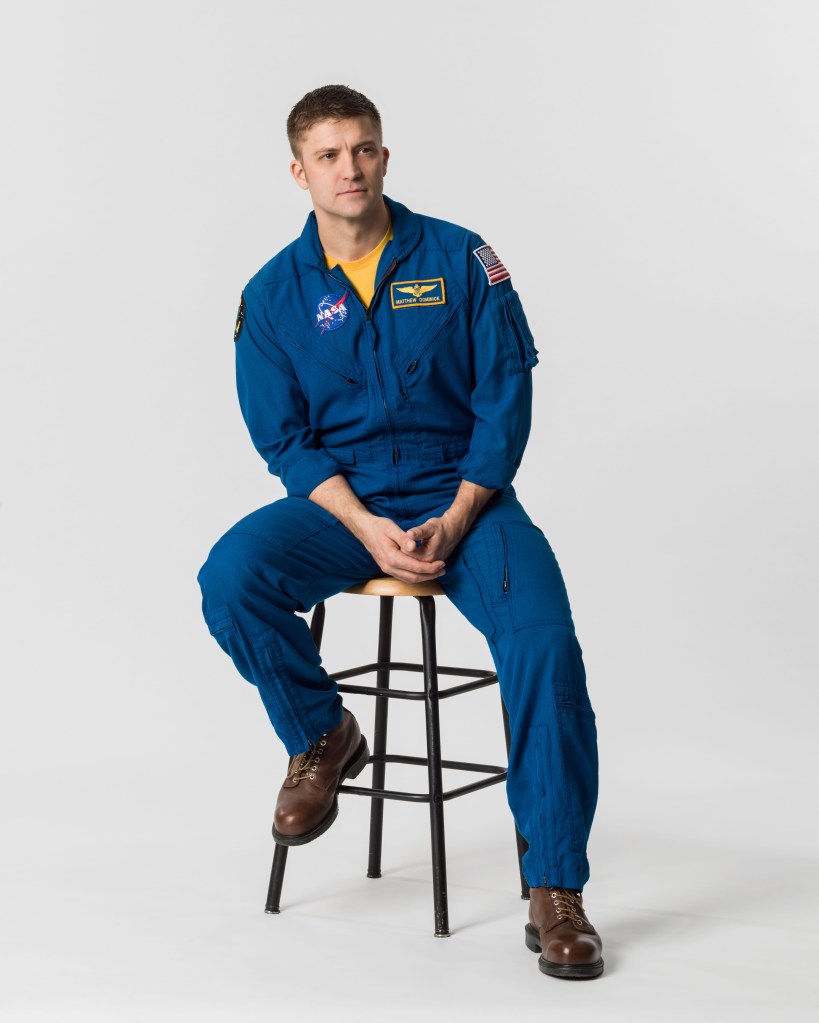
231	570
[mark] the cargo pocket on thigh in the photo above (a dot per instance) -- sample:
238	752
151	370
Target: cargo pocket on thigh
219	620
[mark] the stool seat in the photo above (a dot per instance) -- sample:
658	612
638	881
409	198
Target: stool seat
387	586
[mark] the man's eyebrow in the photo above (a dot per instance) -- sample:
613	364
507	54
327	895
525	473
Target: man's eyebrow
334	149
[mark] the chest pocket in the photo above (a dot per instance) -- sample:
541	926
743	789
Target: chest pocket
334	383
311	350
424	328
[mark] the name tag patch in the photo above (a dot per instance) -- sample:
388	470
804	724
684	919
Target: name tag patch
412	293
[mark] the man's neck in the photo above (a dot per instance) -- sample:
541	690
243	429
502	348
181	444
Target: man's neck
349	240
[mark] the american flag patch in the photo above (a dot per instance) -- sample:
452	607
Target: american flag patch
494	269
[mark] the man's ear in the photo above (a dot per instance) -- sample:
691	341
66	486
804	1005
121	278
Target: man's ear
386	156
299	175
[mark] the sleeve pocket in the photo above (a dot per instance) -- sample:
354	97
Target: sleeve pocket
518	336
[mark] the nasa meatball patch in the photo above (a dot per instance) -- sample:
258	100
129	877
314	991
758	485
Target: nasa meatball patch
332	312
240	318
492	266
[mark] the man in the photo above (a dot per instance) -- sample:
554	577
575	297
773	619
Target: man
384	372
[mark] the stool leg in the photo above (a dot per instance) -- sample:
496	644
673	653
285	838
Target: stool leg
436	784
274	891
317	623
382	681
522	844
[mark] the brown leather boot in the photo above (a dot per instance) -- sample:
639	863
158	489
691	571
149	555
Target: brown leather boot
559	929
308	799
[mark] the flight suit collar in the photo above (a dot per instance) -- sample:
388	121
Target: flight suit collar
406	231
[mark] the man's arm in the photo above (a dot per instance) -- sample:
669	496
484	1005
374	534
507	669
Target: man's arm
440	535
394	551
273	403
503	353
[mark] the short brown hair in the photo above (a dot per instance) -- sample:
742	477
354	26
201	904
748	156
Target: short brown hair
329	103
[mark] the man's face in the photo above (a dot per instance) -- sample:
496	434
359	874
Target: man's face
342	165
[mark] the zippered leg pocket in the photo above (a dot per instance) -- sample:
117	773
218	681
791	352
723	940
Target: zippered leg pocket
497	558
525	576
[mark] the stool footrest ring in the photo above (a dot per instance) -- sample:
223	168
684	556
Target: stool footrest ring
497	775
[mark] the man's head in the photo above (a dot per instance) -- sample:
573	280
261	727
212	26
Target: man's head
329	103
335	136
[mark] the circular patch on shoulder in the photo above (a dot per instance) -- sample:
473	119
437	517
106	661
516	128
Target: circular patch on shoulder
240	318
332	312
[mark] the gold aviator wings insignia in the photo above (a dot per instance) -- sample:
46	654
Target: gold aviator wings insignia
417	290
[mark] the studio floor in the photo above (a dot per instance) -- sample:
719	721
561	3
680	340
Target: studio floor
109	919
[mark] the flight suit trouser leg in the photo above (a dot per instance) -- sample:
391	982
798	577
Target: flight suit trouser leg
503	577
506	581
282	558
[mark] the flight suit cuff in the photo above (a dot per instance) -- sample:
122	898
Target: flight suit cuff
303	476
487	470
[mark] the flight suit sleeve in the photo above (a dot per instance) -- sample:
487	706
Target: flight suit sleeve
503	353
273	404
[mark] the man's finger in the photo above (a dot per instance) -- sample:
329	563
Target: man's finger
428	552
405	563
399	537
421	532
411	577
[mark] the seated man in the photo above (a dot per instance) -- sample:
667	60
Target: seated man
384	373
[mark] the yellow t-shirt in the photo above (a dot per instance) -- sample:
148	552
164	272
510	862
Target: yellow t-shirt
361	272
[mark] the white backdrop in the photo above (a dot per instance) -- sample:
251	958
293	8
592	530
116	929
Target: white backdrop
647	170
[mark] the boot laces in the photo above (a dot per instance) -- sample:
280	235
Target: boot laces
305	765
568	904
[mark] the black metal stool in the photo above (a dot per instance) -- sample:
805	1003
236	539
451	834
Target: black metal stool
387	589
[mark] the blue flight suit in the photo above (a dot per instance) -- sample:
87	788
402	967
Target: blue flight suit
429	386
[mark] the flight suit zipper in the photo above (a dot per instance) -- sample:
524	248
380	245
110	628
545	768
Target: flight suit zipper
385	275
371	328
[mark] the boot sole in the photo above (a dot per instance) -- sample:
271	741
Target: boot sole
565	971
352	769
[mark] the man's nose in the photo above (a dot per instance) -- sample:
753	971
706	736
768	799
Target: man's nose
350	165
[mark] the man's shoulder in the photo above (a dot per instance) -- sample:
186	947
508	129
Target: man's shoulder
444	234
281	268
447	234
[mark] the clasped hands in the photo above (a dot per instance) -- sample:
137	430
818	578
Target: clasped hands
417	554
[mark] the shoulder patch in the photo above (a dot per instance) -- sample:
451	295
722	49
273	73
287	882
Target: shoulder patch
493	268
240	318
